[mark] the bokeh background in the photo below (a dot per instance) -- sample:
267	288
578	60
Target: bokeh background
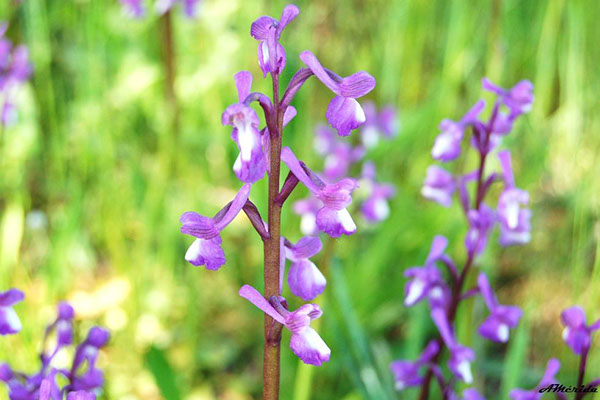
100	165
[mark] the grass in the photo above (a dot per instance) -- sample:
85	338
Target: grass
95	151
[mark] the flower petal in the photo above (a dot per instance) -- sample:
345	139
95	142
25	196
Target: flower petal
206	252
345	114
253	295
243	83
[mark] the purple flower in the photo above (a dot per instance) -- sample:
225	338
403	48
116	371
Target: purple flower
332	218
133	8
460	356
519	99
407	373
190	7
447	144
577	334
9	320
467	394
339	156
481	223
308	209
515	227
87	354
305	341
426	281
383	124
548	379
376	208
344	113
267	30
439	186
206	249
304	278
15	69
251	164
81	395
502	318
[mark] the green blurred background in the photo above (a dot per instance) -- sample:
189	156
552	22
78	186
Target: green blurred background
97	171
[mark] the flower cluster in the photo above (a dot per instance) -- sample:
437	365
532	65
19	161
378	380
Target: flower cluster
136	9
340	158
578	336
83	378
429	282
261	154
15	69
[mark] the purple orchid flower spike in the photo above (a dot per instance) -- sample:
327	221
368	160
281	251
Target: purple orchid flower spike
447	144
426	281
481	223
439	186
548	379
251	164
332	218
407	373
308	209
515	227
376	207
206	249
502	318
344	112
460	356
305	341
518	99
9	320
577	334
267	30
304	278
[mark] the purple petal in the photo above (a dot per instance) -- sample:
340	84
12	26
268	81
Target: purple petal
288	115
335	222
439	186
11	297
243	83
356	85
259	29
305	280
573	317
289	159
236	206
309	347
315	66
287	15
9	321
472	394
489	86
306	247
206	252
551	370
337	196
441	321
406	374
253	295
198	225
472	115
505	164
493	329
81	395
345	114
438	246
487	292
447	144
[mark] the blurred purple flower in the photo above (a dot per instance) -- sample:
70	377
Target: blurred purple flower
344	113
9	320
376	208
460	356
439	186
305	341
267	30
427	280
548	379
251	164
304	278
332	218
447	144
206	249
135	8
406	373
481	223
577	334
515	227
308	209
518	99
502	318
383	124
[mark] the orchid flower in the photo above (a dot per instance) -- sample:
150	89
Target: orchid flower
481	223
305	341
332	218
206	249
461	357
267	30
502	318
9	320
304	278
439	186
577	334
518	99
514	220
376	207
344	112
407	373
